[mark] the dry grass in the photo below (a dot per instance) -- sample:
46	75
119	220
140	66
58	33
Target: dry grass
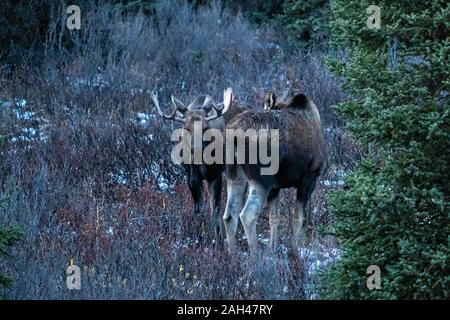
90	178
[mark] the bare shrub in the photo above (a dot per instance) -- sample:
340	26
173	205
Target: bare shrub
87	163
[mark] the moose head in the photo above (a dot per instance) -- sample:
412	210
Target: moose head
202	109
200	115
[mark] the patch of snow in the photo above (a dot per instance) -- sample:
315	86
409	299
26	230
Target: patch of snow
119	177
163	184
29	131
25	115
29	134
332	130
145	120
263	240
319	257
329	183
136	91
22	103
97	81
162	181
338	181
110	231
340	173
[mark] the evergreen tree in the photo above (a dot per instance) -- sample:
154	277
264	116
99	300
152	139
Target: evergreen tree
306	21
8	236
395	211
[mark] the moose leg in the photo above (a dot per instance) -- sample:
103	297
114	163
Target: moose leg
215	194
196	188
298	217
236	186
257	196
303	194
274	218
195	183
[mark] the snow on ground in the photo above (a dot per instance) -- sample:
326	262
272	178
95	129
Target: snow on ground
144	119
97	81
315	256
319	256
332	183
162	181
30	126
339	176
121	177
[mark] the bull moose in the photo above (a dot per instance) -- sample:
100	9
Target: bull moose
301	156
204	111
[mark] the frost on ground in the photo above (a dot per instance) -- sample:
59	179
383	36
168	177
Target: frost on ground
97	81
337	179
28	125
121	177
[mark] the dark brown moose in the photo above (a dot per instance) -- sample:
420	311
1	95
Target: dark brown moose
301	157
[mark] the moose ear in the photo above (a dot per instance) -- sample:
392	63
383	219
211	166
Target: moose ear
299	100
178	105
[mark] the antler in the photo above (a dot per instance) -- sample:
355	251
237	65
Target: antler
207	104
178	104
172	116
227	102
